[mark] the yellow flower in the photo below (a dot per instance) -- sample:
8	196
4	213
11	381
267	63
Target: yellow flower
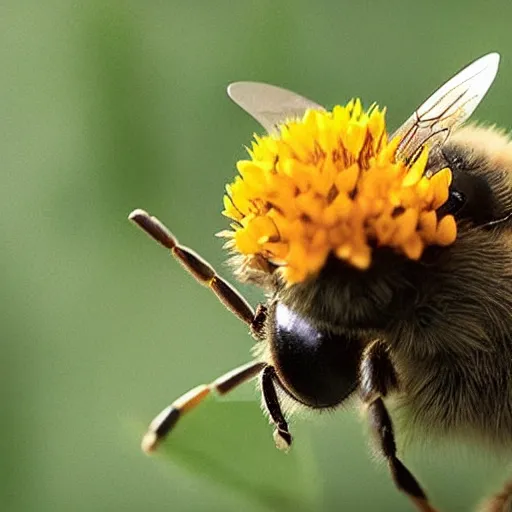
330	183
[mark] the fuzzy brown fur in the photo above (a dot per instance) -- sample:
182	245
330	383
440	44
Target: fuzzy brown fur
446	319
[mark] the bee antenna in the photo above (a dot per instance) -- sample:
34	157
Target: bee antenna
200	269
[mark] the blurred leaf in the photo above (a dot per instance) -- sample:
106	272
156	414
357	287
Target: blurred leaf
231	444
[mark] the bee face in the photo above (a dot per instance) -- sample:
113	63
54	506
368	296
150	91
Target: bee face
341	297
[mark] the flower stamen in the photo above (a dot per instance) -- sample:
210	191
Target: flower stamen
330	183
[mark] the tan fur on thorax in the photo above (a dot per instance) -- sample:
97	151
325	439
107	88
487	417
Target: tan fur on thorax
493	142
457	376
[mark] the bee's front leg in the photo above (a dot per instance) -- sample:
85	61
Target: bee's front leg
377	377
282	436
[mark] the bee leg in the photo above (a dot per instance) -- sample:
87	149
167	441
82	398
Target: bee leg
167	419
259	321
501	502
203	272
282	436
377	378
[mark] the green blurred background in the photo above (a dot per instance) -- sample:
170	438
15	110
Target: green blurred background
108	105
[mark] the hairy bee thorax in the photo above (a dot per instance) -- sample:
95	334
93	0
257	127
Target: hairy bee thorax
453	348
489	145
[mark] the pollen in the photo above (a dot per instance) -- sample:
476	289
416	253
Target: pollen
331	184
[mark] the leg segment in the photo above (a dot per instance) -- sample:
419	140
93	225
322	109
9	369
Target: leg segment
377	378
282	436
195	265
167	419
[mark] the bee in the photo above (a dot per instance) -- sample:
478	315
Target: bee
431	336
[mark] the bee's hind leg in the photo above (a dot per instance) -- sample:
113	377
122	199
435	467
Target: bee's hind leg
377	378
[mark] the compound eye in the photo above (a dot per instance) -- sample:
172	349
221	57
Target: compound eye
454	204
474	193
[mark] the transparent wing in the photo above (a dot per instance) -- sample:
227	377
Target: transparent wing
448	107
268	104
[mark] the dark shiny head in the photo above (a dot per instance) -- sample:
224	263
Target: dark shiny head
316	367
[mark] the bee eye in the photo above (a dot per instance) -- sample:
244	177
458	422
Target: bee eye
454	203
